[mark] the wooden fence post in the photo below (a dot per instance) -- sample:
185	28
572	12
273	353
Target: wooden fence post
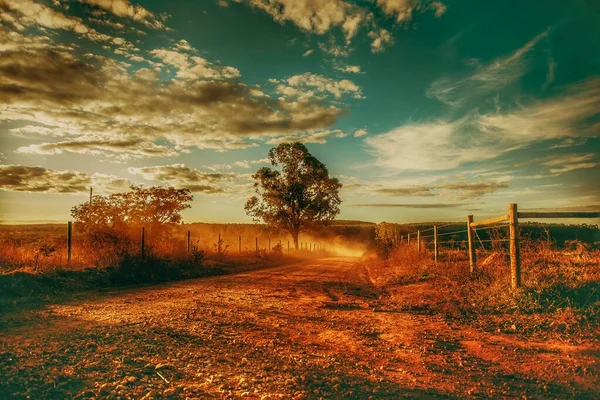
408	239
401	239
188	242
240	244
435	243
69	234
471	239
515	256
143	242
419	242
257	244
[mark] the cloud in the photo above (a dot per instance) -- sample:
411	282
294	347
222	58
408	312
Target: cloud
360	133
470	190
551	74
20	178
121	149
25	13
350	69
454	190
381	39
322	16
562	164
406	191
93	97
319	137
333	49
316	16
308	85
193	67
124	9
487	78
442	145
405	205
403	10
181	176
307	53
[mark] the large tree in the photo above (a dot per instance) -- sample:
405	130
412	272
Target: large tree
297	194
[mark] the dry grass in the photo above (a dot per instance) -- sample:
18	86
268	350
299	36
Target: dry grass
560	295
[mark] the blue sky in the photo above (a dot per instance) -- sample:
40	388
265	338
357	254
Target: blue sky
425	110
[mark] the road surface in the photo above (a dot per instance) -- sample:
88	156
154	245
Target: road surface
317	329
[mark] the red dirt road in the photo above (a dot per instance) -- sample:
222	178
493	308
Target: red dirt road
317	329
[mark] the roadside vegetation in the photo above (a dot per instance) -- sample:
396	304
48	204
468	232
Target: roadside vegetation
560	296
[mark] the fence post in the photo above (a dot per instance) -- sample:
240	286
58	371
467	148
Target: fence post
515	256
419	242
408	239
240	244
219	244
257	244
401	239
143	242
188	242
471	239
69	234
435	243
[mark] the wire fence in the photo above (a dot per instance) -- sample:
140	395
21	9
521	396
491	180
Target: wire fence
471	235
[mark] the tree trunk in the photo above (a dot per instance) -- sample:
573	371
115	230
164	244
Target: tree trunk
295	237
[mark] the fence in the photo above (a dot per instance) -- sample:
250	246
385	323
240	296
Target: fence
220	248
512	220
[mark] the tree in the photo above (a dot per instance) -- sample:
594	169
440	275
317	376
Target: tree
153	207
297	195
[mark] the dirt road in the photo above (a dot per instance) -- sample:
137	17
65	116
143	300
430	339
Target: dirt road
310	330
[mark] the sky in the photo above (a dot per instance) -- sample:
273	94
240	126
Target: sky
426	110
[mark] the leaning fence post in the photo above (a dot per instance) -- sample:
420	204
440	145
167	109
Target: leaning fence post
471	239
188	242
143	242
435	243
419	242
69	234
515	256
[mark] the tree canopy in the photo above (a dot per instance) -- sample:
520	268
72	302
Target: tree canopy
152	207
297	194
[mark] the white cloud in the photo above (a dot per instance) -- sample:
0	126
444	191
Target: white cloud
360	132
561	164
441	145
318	16
25	13
381	39
319	137
486	79
194	67
350	69
307	53
309	84
124	9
